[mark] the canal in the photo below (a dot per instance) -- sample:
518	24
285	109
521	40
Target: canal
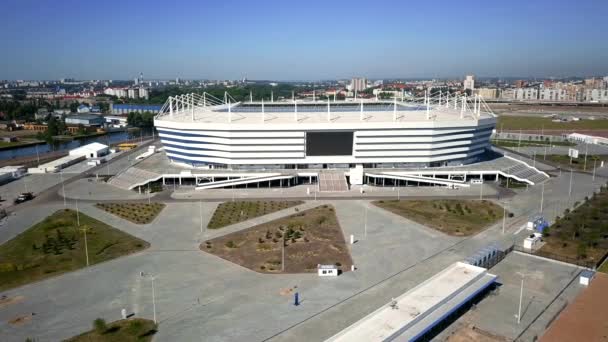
107	139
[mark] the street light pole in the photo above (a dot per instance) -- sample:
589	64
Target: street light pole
63	189
504	217
154	300
594	162
586	150
86	247
283	254
77	213
201	215
542	197
521	296
152	278
365	223
37	155
570	187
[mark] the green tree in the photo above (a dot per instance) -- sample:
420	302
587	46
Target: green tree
74	107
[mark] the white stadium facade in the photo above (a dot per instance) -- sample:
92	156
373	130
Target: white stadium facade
440	140
200	131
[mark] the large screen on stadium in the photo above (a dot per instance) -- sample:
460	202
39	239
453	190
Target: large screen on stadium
329	143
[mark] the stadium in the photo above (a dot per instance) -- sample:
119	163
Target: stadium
434	140
201	131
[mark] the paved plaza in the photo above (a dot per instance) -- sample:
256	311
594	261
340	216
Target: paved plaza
200	296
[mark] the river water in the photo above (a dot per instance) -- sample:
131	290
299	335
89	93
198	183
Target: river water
107	139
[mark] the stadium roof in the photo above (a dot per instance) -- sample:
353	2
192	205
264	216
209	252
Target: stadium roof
208	109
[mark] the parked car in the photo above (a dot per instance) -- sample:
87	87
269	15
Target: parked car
24	197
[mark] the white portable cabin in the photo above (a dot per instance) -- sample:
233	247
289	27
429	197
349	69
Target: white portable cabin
327	270
532	241
586	277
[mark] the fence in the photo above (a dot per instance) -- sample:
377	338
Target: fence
558	257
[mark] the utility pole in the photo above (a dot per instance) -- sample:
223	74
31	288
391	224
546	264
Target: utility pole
542	197
365	223
86	247
570	187
77	213
63	189
149	194
521	296
201	215
152	278
37	155
504	217
283	254
481	190
586	150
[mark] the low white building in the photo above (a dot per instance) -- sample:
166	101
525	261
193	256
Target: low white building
327	270
10	173
532	241
93	150
589	139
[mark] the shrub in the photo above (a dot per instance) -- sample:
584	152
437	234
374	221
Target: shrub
230	244
100	326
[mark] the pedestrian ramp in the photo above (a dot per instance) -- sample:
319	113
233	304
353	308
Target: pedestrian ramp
133	177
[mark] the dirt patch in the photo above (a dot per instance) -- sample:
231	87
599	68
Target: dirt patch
310	238
470	333
6	301
21	319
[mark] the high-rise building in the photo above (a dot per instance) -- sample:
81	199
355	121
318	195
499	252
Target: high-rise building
358	83
143	93
469	82
136	81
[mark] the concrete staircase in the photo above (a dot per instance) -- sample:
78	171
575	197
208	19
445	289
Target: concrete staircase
332	181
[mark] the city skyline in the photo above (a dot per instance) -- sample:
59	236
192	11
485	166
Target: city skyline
288	42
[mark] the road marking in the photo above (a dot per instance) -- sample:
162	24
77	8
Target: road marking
520	229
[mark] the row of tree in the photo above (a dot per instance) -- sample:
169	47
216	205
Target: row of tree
136	119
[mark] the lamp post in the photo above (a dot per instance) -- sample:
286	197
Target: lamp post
152	278
594	161
86	247
365	223
77	213
542	197
63	188
504	217
201	215
570	186
521	296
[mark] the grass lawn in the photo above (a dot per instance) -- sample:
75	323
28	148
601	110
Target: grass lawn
56	245
311	237
228	213
603	267
529	143
134	329
532	123
581	234
453	217
577	163
140	213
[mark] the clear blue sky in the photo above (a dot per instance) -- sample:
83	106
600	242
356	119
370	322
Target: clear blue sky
301	40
